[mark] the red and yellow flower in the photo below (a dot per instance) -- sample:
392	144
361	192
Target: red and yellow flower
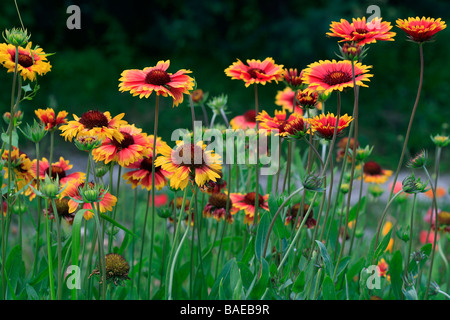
246	203
134	145
361	31
293	79
189	162
421	29
73	191
324	125
285	99
382	268
50	118
21	165
156	79
217	207
94	123
256	71
245	121
59	170
328	76
373	173
29	62
279	122
142	170
291	216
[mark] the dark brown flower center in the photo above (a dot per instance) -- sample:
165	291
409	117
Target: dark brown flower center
360	31
251	197
372	168
146	164
252	72
337	77
191	155
24	60
127	141
57	171
157	77
93	119
219	200
250	116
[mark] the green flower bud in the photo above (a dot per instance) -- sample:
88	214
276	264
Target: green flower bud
363	154
218	103
313	183
87	143
16	37
413	185
440	141
403	234
419	160
34	133
375	190
345	187
50	188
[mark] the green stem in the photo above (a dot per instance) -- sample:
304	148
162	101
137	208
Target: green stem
408	257
101	252
144	227
50	259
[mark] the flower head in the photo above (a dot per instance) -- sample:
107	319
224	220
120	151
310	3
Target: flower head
141	173
256	71
134	145
293	79
94	123
277	123
291	216
247	202
421	29
217	207
189	162
324	125
382	268
245	121
117	269
441	140
362	32
418	161
29	61
156	79
59	171
328	76
76	191
286	100
374	173
50	119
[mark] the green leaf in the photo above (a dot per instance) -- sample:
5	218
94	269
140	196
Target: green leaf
76	238
299	284
383	245
261	234
14	141
14	267
395	271
279	227
246	275
32	294
326	258
115	223
410	293
223	278
262	282
329	293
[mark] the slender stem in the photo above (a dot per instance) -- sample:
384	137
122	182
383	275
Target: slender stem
433	189
410	235
405	144
257	157
101	252
50	259
59	248
39	204
144	227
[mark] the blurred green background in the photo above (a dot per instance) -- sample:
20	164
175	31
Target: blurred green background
208	36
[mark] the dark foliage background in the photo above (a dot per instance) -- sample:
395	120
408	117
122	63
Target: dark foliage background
207	36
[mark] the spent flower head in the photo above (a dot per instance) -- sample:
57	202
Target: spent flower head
117	269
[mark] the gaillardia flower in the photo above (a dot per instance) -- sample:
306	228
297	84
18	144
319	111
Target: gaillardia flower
328	76
116	267
293	79
373	173
73	191
361	31
143	82
50	119
285	99
324	125
141	173
21	165
246	202
291	216
255	71
245	121
59	170
131	148
421	29
94	123
189	162
217	207
277	123
29	62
